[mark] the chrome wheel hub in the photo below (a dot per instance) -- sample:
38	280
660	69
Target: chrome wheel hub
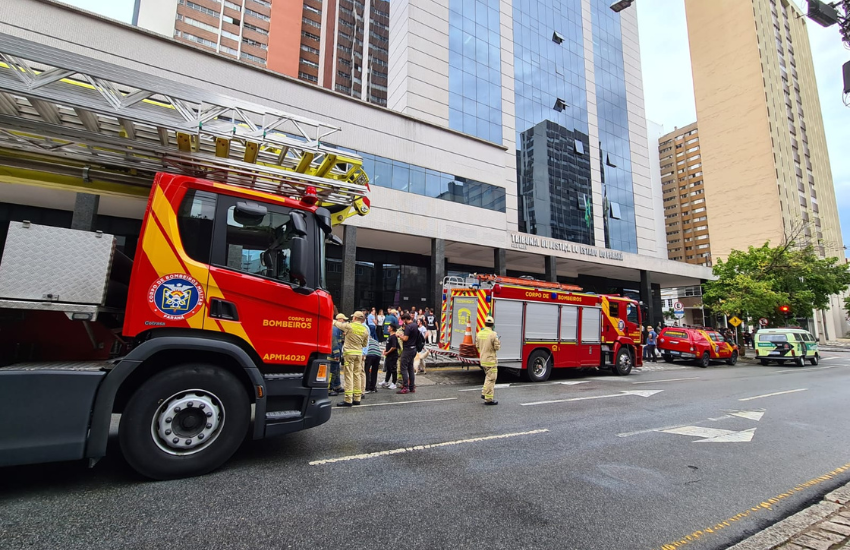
187	422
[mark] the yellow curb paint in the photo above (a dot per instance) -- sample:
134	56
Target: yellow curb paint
766	505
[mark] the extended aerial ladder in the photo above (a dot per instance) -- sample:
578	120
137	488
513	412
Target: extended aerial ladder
66	117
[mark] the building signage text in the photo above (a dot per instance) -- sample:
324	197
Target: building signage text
523	242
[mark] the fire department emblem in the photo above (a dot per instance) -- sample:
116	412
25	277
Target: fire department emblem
176	297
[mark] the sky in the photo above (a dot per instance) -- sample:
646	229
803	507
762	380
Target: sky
668	85
669	92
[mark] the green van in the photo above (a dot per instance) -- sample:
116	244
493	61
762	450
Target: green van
786	344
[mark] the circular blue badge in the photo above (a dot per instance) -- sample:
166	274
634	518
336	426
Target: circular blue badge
176	297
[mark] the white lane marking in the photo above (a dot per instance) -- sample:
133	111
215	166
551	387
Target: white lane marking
650	430
828	358
403	402
744	436
771	394
641	393
714	435
667	380
698	431
805	369
510	385
422	447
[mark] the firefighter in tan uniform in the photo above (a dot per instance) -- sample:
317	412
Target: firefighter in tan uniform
356	338
487	342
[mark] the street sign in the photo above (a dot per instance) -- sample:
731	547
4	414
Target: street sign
764	322
679	314
678	306
734	321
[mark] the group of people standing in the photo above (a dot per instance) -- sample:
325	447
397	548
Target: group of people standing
356	352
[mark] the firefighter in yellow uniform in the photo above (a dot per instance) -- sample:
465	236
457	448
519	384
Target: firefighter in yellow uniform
487	342
356	338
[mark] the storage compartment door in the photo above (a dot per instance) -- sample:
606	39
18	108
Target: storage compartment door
508	317
464	310
542	322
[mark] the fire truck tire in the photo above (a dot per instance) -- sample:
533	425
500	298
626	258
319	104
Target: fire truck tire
184	421
539	366
668	358
705	360
732	360
623	363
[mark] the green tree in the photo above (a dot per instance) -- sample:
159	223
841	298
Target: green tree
847	305
758	281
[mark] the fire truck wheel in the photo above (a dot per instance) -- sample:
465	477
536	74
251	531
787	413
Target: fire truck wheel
732	360
185	421
705	361
539	366
668	358
623	363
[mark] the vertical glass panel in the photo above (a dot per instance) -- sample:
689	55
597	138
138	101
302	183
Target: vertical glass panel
401	176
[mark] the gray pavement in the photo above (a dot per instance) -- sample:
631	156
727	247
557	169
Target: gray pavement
670	456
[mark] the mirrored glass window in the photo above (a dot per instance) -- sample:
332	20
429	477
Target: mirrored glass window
475	83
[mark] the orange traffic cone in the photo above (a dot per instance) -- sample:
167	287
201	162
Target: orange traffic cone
467	347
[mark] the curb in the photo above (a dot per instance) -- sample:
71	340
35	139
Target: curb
808	528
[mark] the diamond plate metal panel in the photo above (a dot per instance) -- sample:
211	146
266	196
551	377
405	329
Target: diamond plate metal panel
55	264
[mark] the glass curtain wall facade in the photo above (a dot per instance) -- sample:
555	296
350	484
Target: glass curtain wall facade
613	121
475	77
553	153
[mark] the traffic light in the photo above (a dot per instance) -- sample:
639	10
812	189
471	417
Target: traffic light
785	310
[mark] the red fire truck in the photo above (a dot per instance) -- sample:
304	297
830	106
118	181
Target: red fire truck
220	328
542	325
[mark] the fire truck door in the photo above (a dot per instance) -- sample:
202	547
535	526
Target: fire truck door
508	317
591	331
251	270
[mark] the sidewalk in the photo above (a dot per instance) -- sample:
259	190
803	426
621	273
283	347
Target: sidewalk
823	526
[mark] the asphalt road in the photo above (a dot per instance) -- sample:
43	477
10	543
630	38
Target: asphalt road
575	463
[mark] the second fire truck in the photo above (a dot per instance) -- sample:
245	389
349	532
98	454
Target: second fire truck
542	325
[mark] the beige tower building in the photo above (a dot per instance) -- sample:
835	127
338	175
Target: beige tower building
683	191
762	140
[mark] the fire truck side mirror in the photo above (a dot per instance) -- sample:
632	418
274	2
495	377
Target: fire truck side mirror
249	214
300	255
323	218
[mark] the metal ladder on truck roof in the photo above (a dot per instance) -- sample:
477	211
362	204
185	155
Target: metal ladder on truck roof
65	114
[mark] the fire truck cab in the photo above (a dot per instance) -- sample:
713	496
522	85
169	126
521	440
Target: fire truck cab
544	326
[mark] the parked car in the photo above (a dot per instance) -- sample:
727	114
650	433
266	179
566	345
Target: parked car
786	344
696	344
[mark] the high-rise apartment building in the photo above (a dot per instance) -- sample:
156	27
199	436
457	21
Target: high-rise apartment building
761	134
341	45
683	196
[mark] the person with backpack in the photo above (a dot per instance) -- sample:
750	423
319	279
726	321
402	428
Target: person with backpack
390	319
372	365
408	342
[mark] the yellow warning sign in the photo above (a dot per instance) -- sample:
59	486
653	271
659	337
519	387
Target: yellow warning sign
734	321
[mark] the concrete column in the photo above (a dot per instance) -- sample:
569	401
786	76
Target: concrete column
551	269
646	298
349	264
438	272
85	212
500	262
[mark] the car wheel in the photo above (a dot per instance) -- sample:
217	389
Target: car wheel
800	361
623	362
705	360
668	358
814	359
184	421
539	366
764	362
732	360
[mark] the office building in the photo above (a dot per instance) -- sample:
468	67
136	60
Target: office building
341	45
761	135
514	143
683	192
